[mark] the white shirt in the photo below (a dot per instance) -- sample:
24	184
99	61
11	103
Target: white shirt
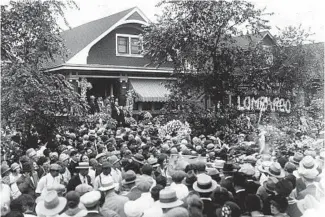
154	210
181	190
97	182
66	175
47	182
145	201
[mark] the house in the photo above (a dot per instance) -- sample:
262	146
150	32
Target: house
105	60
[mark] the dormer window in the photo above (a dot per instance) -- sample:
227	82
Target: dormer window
128	45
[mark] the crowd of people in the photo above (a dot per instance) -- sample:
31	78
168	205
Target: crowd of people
132	172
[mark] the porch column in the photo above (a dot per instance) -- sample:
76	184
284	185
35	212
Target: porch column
112	90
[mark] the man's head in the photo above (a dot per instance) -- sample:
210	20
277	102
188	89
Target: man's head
55	170
74	156
106	168
84	172
147	169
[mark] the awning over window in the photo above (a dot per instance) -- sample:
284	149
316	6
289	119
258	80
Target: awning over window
149	90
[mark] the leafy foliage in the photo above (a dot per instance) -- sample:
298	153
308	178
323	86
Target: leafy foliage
32	97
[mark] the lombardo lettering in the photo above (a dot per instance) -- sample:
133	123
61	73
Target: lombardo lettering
264	103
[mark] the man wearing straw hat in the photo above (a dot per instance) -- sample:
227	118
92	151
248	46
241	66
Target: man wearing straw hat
113	201
81	178
91	202
52	204
51	181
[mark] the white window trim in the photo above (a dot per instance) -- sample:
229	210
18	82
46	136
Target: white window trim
129	37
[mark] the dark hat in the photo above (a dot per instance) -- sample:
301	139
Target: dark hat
27	167
280	202
284	187
228	167
138	158
129	177
190	178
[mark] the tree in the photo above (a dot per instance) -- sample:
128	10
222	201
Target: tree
32	97
198	36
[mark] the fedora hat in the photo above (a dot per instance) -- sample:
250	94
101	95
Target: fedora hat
90	199
296	158
4	168
133	209
247	169
228	167
219	164
51	205
153	161
83	165
107	184
168	199
204	184
210	146
83	188
270	184
138	158
307	163
310	152
100	155
309	174
263	167
276	170
129	177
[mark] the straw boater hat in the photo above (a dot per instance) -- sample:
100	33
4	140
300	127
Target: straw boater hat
168	199
83	188
204	184
51	205
296	158
83	165
129	177
107	184
276	170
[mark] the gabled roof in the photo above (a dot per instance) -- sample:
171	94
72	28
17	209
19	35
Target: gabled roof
245	41
76	39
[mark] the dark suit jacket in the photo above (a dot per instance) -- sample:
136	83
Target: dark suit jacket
251	186
94	215
209	208
26	186
75	181
240	198
72	167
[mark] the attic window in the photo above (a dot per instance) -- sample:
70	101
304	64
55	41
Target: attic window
128	45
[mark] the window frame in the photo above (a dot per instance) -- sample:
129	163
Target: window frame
129	53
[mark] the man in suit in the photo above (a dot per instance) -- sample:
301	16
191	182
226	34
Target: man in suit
204	186
91	202
81	178
74	159
28	181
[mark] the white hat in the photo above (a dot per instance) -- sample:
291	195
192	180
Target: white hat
132	209
247	169
51	205
309	174
100	155
90	199
107	183
168	198
219	164
63	157
306	164
204	184
276	170
83	165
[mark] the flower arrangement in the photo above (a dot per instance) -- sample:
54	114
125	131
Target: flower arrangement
101	117
130	95
175	128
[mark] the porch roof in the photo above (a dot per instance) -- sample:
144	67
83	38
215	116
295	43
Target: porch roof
149	90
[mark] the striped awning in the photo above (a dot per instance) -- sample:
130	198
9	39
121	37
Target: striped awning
150	90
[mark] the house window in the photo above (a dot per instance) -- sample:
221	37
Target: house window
128	45
122	45
269	54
